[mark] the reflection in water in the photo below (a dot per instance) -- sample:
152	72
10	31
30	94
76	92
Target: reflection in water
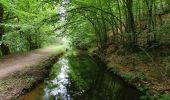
81	78
61	81
96	81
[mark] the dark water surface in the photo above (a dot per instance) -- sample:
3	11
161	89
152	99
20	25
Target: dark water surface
81	78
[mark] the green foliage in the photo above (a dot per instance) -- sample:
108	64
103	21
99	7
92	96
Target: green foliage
112	21
164	97
82	37
147	97
162	32
139	76
25	24
55	71
30	81
29	24
167	6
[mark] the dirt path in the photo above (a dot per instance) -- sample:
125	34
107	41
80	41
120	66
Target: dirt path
17	62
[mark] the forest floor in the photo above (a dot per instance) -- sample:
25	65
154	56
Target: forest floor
137	69
19	72
148	71
151	76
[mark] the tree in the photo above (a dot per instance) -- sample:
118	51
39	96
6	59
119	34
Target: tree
4	48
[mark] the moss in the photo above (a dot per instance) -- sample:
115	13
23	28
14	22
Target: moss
30	81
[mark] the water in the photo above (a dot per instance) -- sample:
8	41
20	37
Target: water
81	78
61	81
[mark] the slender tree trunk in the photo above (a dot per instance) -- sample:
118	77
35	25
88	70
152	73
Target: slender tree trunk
151	23
162	6
103	25
4	49
131	21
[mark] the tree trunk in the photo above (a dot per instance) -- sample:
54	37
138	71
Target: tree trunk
130	20
4	49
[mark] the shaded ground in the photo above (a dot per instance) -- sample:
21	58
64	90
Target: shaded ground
139	70
148	70
21	72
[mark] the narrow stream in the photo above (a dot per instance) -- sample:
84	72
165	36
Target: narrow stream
79	77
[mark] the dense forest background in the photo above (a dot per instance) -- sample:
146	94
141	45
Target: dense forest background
130	36
30	24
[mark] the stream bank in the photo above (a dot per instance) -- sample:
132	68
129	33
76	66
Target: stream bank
25	80
135	69
81	77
